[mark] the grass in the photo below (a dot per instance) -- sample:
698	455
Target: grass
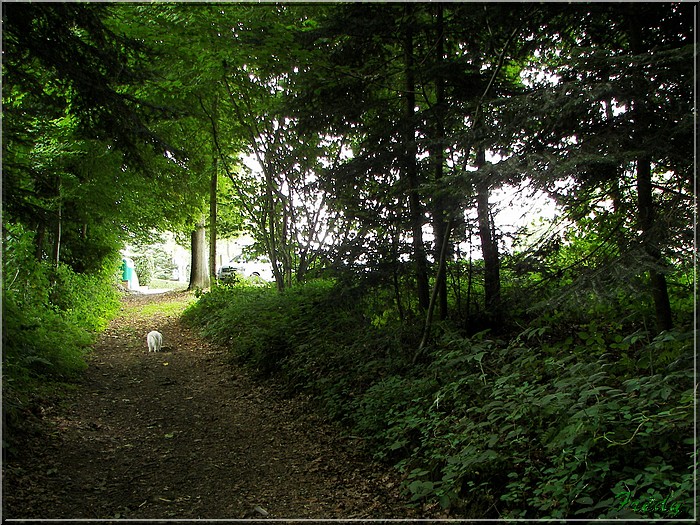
166	284
169	308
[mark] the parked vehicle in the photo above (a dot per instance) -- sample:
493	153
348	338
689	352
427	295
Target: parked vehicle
260	269
228	274
248	269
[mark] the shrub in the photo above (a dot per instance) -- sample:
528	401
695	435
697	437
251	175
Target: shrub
546	436
145	268
254	322
50	315
585	423
87	300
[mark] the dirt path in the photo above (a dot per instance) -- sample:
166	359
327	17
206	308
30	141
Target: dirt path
184	434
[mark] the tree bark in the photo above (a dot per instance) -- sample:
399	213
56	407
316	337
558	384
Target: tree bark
489	246
212	216
59	228
433	296
645	200
271	231
213	187
411	171
39	241
199	275
438	158
657	280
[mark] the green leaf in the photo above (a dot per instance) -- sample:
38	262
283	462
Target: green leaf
421	489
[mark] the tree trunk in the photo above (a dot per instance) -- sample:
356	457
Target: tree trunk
214	182
489	246
433	296
645	200
269	226
199	275
657	280
39	241
411	172
58	231
212	217
438	157
285	252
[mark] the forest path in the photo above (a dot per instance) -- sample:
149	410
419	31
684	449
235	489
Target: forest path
184	434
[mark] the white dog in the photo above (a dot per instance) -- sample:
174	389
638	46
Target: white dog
155	341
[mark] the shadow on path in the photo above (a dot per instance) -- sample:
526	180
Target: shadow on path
184	434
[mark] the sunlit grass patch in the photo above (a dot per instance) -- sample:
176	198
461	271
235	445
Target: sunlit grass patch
168	308
163	284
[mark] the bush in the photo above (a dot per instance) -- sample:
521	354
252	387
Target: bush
88	301
316	338
587	423
40	343
50	316
534	436
249	320
145	268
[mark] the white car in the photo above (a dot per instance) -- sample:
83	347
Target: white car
228	273
249	269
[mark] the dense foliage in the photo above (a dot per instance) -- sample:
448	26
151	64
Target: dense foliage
561	419
538	370
50	316
86	168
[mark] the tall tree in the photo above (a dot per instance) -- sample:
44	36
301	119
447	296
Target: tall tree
213	216
281	203
489	243
647	208
212	140
368	54
213	185
199	273
86	161
622	77
410	164
437	153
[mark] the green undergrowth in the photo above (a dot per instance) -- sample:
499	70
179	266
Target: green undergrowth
598	425
50	317
48	336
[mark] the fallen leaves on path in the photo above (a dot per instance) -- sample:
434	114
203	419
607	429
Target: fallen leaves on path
185	434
